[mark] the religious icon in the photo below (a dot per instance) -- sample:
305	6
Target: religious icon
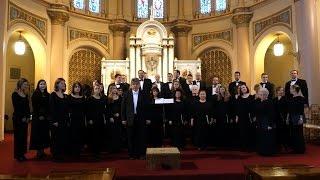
151	64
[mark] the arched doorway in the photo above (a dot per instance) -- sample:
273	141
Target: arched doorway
17	66
215	62
84	66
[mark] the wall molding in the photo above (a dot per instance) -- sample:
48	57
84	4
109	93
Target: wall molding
223	35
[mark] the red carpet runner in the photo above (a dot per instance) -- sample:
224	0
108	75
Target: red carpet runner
194	165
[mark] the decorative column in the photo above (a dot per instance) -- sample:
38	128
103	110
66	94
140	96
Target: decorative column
171	53
59	15
132	56
120	9
307	35
164	60
181	30
241	18
119	29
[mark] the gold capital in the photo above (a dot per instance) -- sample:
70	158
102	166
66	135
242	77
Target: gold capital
58	14
181	28
242	16
119	27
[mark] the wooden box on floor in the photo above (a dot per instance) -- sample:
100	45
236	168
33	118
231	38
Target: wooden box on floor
163	158
276	172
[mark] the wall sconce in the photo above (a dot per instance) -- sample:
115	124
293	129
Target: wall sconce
20	46
278	48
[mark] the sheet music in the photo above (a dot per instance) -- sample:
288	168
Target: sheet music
164	101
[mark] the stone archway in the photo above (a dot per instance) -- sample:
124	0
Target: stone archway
216	62
84	67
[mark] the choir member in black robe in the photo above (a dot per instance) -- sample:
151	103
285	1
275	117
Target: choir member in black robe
40	136
133	115
115	125
201	118
96	121
188	89
155	119
282	130
145	83
125	86
268	85
233	86
243	117
159	84
182	80
233	121
296	119
117	83
264	115
59	118
21	117
297	81
221	116
176	116
200	83
212	90
167	87
76	102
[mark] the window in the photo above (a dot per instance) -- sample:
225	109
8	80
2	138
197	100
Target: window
143	8
94	6
205	6
78	4
221	5
158	8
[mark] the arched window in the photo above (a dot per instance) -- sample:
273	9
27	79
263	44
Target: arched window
78	4
143	8
221	5
158	8
205	6
94	6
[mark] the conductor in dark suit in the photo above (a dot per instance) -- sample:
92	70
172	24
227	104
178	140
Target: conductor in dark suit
233	86
133	115
296	81
268	85
201	84
145	83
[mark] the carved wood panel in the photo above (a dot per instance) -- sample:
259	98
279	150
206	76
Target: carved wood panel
85	67
215	62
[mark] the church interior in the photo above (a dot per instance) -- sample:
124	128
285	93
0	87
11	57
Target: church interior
86	40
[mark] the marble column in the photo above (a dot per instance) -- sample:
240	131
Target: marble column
3	42
241	18
307	35
59	16
119	29
181	30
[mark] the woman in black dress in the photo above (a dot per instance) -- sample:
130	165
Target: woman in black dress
115	124
221	116
96	121
296	119
264	115
233	127
201	118
177	119
76	102
59	119
40	136
243	110
282	130
21	117
155	119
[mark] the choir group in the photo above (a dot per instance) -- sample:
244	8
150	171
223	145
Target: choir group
267	121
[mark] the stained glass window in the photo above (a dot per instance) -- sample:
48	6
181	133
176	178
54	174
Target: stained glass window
94	6
143	8
78	4
221	5
205	6
158	8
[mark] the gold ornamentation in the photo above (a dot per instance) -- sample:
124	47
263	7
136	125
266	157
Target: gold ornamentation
215	62
225	35
119	27
100	38
84	67
282	18
151	32
19	15
181	28
58	14
242	16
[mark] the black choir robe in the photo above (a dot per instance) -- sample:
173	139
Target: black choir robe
203	84
304	89
115	127
270	87
147	85
233	86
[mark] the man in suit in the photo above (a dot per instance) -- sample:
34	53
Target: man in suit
125	85
116	83
266	84
182	81
145	83
188	89
167	86
133	116
233	86
212	90
201	84
159	84
296	81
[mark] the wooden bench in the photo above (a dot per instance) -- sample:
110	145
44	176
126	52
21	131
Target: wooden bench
167	158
